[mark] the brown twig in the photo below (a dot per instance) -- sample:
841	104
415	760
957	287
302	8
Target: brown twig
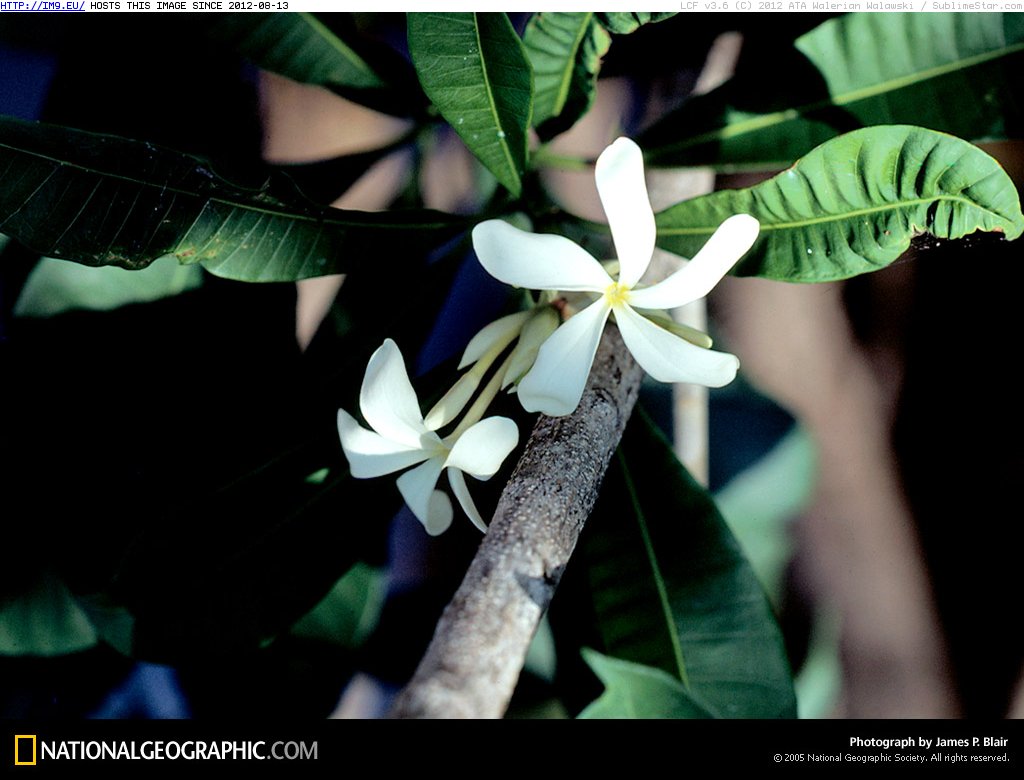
480	644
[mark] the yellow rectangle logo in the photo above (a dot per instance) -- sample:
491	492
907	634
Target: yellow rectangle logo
21	750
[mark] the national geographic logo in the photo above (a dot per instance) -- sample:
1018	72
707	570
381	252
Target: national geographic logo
24	749
29	749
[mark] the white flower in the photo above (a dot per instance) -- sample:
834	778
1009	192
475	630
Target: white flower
400	439
548	262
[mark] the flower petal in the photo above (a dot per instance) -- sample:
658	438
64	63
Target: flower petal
623	190
482	448
458	483
537	261
555	383
387	399
440	515
370	454
503	329
417	488
714	260
668	358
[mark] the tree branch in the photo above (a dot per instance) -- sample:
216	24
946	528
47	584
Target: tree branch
479	647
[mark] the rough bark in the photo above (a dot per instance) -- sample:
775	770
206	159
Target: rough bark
480	644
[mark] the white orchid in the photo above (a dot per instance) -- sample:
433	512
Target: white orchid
549	262
400	438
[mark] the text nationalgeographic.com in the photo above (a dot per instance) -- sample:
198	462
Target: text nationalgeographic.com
165	750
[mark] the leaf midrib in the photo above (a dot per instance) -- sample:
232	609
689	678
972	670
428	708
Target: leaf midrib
502	142
566	80
338	45
283	212
841	217
659	580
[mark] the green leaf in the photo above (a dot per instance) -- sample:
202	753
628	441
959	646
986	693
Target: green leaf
958	73
272	553
625	22
820	681
104	200
672	590
44	621
296	45
565	51
55	286
303	48
474	70
638	691
347	614
760	502
853	204
112	622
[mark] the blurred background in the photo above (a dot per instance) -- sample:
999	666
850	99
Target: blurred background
867	459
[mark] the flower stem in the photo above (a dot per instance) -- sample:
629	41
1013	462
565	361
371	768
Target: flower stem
476	411
480	644
545	158
455	400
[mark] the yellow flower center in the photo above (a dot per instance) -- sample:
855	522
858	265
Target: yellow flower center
617	294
